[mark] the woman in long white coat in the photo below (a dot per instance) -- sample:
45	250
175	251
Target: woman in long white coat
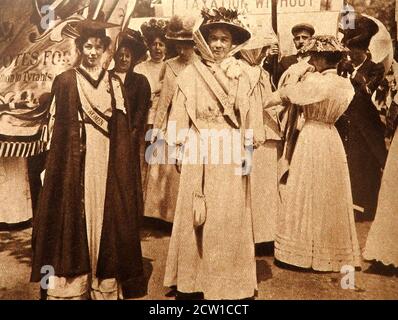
212	246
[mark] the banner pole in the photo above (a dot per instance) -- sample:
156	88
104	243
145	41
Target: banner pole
275	60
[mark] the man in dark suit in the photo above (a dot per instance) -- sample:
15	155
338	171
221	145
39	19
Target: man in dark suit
361	128
302	34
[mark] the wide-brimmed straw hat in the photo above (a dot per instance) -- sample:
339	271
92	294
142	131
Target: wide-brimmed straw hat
323	43
224	18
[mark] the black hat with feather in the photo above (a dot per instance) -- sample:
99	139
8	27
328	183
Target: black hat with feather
361	35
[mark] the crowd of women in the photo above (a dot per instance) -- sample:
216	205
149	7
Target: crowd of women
113	157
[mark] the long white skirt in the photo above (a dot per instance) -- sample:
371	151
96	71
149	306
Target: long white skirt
382	242
264	191
162	184
15	198
316	228
218	258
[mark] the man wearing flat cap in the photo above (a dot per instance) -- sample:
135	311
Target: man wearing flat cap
302	34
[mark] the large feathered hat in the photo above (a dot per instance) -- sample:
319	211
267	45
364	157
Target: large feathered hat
154	28
225	18
361	34
180	28
323	43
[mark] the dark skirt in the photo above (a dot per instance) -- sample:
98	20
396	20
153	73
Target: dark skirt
366	152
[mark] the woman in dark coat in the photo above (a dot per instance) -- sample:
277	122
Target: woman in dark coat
130	51
85	231
361	128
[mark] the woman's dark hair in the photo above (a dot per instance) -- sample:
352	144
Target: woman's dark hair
171	46
150	39
332	58
128	46
80	41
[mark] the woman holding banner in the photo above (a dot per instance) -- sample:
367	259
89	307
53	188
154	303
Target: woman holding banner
86	227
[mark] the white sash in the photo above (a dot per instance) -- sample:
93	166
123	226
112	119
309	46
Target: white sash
91	111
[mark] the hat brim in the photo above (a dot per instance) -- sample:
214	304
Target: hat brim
89	24
323	44
328	50
93	24
239	34
359	42
90	28
179	38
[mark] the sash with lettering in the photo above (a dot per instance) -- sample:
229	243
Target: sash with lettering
98	119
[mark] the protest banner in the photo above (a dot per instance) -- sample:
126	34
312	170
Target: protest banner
36	44
323	14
